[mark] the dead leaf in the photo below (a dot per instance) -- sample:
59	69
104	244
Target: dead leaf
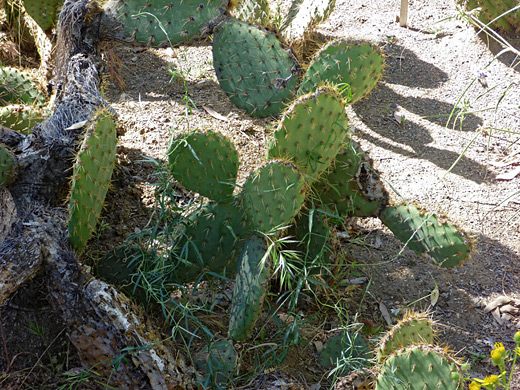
215	114
434	296
385	313
500	301
509	175
77	125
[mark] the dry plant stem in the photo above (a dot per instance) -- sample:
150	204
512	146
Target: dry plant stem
101	323
403	18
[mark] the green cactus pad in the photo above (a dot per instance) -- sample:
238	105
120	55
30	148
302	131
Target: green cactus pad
418	367
90	179
7	165
166	22
351	186
311	232
20	117
209	242
256	73
342	348
311	132
413	329
205	162
354	63
217	362
272	195
304	15
251	280
44	12
253	11
492	9
18	87
426	234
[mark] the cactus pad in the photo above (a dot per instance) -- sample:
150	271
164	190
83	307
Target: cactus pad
205	162
253	11
250	288
492	9
163	22
311	233
354	63
44	12
217	361
256	73
20	117
351	186
7	165
303	15
272	195
17	87
311	132
426	234
418	367
91	176
345	348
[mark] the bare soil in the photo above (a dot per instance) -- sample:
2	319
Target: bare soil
430	67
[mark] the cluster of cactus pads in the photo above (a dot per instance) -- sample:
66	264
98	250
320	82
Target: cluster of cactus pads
497	13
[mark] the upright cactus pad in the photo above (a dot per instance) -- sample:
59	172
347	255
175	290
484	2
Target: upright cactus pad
303	15
20	117
217	361
272	195
18	87
311	232
90	179
492	9
311	132
351	186
7	165
256	73
163	22
250	288
413	329
355	64
346	347
418	367
44	12
209	242
426	234
205	162
253	11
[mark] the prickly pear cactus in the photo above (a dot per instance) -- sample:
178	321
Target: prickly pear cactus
427	234
217	362
44	12
413	329
357	65
272	195
418	367
253	11
7	165
311	132
20	117
90	179
251	281
163	22
18	87
492	9
311	232
303	15
256	73
205	162
345	347
351	186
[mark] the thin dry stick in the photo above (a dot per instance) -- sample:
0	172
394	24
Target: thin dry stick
403	18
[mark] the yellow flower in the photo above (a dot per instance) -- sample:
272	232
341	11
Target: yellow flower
474	386
496	355
489	380
499	347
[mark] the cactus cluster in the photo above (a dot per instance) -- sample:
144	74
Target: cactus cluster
491	11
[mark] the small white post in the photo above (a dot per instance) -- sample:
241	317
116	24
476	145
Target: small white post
403	18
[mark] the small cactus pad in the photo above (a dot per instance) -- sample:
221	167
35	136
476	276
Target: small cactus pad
413	329
249	292
256	73
90	179
163	22
20	117
351	186
426	234
205	162
311	132
418	367
253	11
217	361
209	242
44	12
358	65
18	87
310	231
346	350
7	165
272	195
492	9
303	15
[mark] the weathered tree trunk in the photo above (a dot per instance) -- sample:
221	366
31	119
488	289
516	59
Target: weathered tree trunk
102	323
